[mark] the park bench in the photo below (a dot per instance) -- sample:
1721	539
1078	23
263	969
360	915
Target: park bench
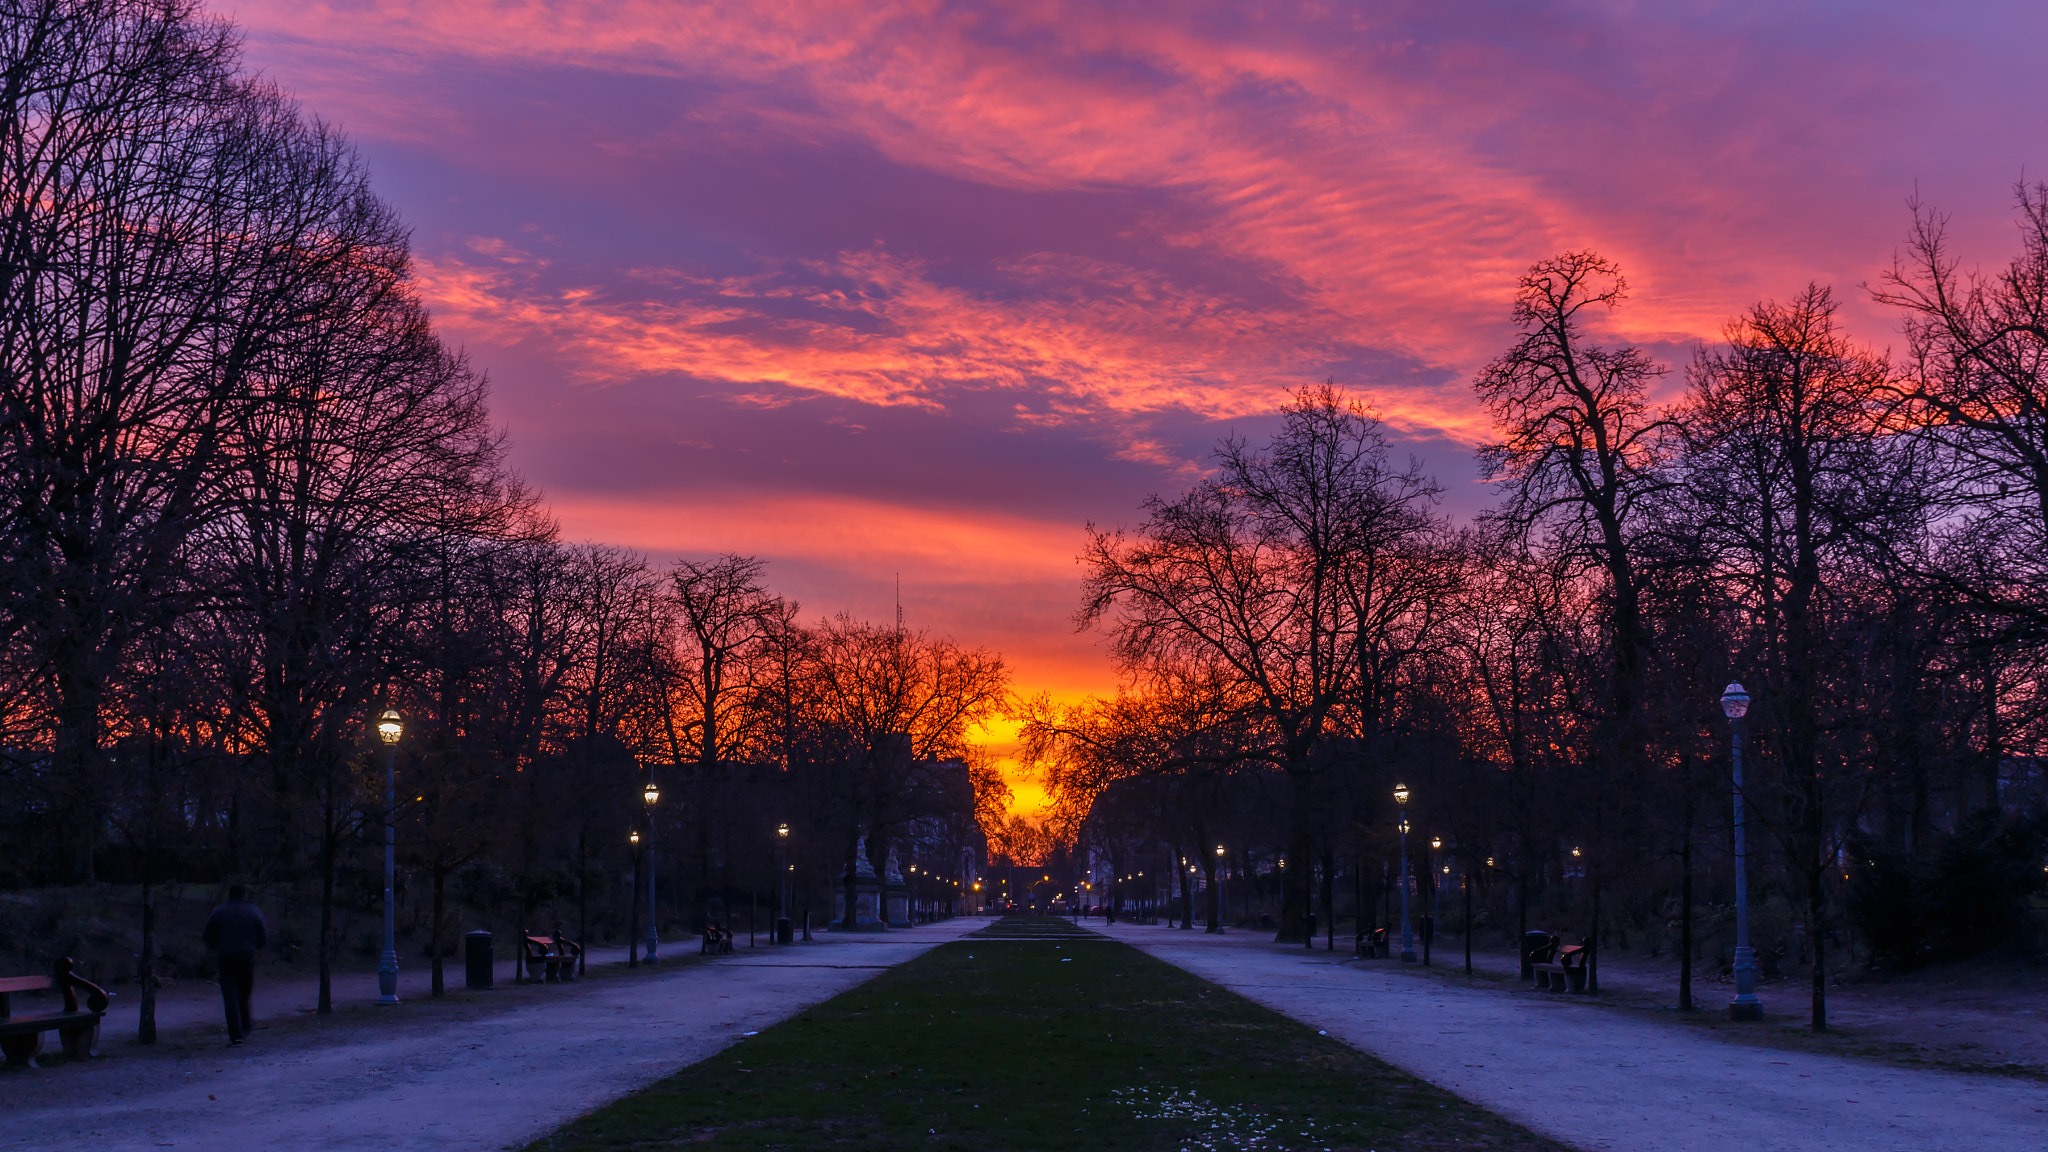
1373	944
21	1037
554	956
1567	971
717	940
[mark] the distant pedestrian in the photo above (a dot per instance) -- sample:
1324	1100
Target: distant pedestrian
234	932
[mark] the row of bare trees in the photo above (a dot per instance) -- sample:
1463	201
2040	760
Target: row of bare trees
1857	538
249	500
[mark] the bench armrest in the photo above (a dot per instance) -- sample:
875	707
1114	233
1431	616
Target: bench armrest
96	997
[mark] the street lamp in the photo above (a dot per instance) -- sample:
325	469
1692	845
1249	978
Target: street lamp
390	727
652	795
1745	1006
1436	899
782	935
1407	925
1222	890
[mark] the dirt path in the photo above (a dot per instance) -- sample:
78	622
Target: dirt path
1601	1079
487	1071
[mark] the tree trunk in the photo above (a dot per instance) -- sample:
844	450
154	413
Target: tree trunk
1466	881
1359	923
1329	899
1593	944
145	1027
328	835
434	933
1214	906
1522	922
1815	907
1295	894
1685	1003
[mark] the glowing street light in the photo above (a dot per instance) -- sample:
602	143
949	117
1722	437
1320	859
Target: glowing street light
651	794
1407	925
390	729
783	935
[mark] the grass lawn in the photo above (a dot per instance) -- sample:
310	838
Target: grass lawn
1031	1034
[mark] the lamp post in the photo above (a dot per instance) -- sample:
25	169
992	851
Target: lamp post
1407	925
781	881
652	795
633	929
1222	889
1745	1006
1436	898
390	727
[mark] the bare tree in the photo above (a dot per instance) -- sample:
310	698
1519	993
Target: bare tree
1786	478
1262	574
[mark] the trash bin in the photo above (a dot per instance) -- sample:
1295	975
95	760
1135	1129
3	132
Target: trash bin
783	932
476	959
1532	942
1311	927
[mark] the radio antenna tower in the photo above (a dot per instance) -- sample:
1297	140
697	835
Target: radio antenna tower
899	603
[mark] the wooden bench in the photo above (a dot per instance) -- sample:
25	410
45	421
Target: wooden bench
1568	972
717	940
555	957
21	1037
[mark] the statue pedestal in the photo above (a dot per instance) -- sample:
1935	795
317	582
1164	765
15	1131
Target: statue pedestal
867	899
896	893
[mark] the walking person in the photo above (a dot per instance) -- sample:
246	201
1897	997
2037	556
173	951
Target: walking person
234	932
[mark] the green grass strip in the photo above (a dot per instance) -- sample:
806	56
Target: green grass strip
1033	1035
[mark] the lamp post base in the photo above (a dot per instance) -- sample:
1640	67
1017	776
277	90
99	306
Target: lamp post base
387	980
1745	1011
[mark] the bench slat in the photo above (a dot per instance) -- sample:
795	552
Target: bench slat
25	983
45	1021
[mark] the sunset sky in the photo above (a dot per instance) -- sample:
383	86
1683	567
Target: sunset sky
922	288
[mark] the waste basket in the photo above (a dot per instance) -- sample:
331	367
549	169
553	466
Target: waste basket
476	959
783	934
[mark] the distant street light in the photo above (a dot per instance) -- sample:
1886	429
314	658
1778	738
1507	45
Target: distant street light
1407	925
1745	1006
1436	899
652	795
390	728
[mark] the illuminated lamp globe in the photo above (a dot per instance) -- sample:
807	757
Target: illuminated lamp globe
651	793
390	726
782	830
1436	841
1400	793
633	836
1734	702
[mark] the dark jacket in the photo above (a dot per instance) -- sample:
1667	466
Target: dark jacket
236	928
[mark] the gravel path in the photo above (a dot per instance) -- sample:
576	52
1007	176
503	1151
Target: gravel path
1601	1079
472	1076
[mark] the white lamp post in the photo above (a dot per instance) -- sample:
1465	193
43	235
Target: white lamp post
651	794
390	727
1407	925
781	879
1745	1006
